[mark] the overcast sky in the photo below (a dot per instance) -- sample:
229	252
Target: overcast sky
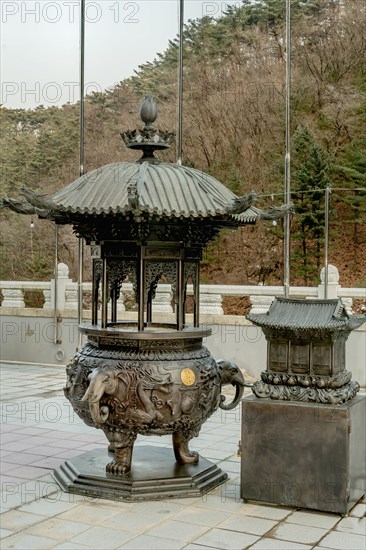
40	44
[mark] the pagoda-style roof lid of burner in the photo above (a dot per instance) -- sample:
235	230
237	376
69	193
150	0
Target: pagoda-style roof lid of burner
148	186
163	189
307	315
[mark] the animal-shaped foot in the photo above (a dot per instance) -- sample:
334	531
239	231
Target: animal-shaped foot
117	468
181	451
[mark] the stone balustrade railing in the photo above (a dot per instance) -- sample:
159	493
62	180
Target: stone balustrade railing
211	296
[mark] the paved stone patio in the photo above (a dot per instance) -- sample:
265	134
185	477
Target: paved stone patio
40	431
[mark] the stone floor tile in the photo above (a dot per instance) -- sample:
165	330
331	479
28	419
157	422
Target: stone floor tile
275	544
70	546
102	537
32	431
146	542
248	524
339	540
226	540
200	516
165	508
297	533
47	507
59	529
194	546
266	512
215	502
22	541
7	426
133	521
66	444
46	450
358	511
22	458
215	454
177	530
314	519
9	437
357	526
28	472
5	533
69	453
19	446
16	520
88	514
6	467
48	462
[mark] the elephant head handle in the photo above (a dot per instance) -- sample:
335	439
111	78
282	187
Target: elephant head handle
231	374
102	380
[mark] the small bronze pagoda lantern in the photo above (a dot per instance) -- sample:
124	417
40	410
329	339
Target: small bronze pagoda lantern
306	351
145	221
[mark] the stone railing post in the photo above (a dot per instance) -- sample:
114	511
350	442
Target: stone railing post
162	303
63	301
260	304
13	297
333	283
211	304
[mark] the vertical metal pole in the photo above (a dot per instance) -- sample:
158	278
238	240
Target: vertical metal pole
180	82
326	243
286	274
55	301
81	160
82	83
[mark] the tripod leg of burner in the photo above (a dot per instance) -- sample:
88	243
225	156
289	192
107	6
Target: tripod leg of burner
182	453
123	448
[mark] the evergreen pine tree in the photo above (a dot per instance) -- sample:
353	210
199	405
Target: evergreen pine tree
310	177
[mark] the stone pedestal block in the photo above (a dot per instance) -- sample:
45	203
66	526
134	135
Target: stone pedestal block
306	455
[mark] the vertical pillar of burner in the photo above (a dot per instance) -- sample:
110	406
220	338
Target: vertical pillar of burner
196	290
105	295
94	295
114	304
141	291
180	285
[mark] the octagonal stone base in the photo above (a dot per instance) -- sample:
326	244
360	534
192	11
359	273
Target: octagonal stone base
154	475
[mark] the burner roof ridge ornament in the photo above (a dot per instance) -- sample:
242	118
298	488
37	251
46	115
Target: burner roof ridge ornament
148	139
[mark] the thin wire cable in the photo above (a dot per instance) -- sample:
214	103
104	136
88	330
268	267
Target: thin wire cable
315	190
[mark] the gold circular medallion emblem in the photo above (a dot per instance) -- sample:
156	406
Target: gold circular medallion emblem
188	377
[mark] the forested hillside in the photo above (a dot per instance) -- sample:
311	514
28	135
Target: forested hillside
234	104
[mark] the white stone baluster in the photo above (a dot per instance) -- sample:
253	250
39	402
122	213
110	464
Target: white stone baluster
47	299
162	303
211	304
71	296
260	304
120	304
13	297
